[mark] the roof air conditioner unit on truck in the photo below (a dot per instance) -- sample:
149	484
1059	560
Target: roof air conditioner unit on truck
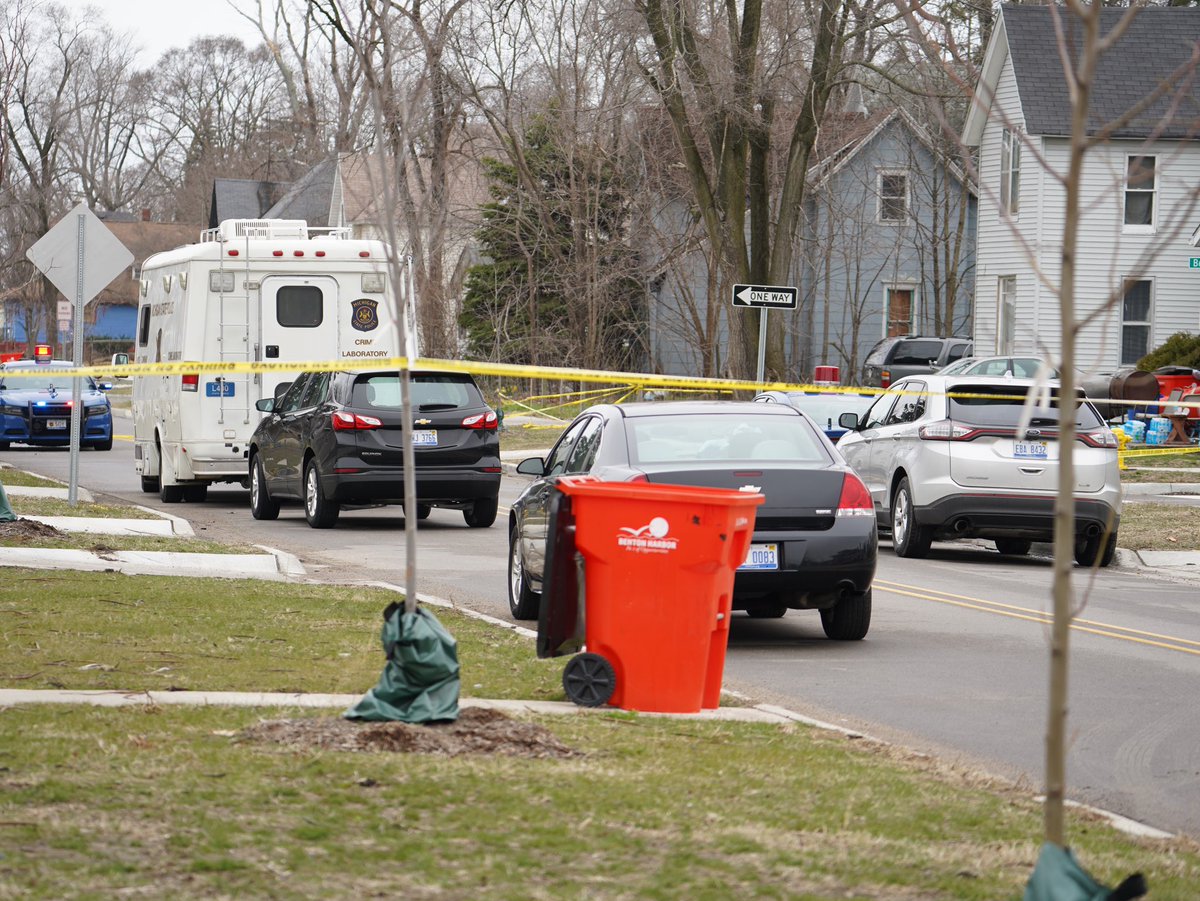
251	291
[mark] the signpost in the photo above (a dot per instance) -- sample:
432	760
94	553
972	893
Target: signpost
80	256
765	297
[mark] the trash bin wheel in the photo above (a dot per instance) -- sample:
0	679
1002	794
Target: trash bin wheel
589	680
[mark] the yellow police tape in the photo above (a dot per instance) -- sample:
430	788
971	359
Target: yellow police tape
633	380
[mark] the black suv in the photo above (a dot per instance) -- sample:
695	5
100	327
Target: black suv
336	438
893	358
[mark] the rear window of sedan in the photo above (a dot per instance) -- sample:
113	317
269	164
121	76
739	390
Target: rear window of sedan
724	438
428	390
1001	406
916	353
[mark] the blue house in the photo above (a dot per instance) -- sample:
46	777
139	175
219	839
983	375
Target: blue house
886	247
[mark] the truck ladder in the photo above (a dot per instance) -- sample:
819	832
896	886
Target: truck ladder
233	338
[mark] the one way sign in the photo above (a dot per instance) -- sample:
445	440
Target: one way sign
764	296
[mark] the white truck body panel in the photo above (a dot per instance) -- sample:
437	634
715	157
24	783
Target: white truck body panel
250	291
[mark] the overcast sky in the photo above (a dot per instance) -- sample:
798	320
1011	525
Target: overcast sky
159	25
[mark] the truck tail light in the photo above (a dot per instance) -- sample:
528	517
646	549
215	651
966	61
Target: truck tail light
487	420
190	381
885	378
855	499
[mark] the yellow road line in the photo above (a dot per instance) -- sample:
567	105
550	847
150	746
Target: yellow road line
1042	617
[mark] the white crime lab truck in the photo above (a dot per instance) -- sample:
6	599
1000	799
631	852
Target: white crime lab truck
250	291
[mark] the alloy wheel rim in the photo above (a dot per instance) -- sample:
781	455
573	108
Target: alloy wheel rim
516	574
310	495
900	526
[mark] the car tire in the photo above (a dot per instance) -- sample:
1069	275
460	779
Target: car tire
849	619
149	485
423	511
481	513
4	445
1088	549
105	445
262	506
320	512
523	603
909	537
1014	547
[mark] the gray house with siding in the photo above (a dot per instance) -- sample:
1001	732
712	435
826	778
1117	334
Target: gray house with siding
886	247
1134	284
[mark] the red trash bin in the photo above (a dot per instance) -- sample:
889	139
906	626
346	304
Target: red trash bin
659	562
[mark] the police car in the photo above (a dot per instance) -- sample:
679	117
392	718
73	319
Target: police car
35	406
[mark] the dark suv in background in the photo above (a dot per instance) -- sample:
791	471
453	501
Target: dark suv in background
893	358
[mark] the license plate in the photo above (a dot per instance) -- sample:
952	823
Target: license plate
56	423
424	438
1034	449
761	556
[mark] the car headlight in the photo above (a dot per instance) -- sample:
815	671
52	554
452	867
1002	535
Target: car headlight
97	409
13	410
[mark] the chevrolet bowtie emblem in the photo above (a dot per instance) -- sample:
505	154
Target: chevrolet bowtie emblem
424	421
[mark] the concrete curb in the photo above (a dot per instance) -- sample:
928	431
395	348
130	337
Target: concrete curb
154	563
61	493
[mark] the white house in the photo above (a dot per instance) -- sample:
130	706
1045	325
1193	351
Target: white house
1134	275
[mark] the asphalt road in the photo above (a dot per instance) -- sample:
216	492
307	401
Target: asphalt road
955	663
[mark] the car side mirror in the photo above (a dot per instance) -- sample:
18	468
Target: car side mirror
532	466
848	421
266	405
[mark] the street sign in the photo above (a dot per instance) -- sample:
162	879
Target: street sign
57	254
1194	262
769	296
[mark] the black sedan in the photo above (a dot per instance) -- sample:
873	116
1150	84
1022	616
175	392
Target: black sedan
335	439
814	544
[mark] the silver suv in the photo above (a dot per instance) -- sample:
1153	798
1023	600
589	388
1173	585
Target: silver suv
955	467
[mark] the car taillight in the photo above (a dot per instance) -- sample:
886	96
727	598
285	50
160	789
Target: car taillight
885	378
855	499
190	381
1098	438
486	420
343	421
640	477
946	430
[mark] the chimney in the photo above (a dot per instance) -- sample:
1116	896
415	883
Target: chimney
145	215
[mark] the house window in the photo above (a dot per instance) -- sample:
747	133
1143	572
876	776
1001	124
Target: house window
1141	185
899	311
893	197
1010	172
1136	311
1006	314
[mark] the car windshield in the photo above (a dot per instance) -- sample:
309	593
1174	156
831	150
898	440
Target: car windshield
428	390
41	381
826	407
1001	405
724	438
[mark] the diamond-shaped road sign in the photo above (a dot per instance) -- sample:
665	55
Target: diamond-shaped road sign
764	296
57	255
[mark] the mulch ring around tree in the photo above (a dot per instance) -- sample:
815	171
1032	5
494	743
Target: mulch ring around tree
477	730
27	530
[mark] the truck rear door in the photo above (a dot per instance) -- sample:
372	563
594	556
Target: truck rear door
299	322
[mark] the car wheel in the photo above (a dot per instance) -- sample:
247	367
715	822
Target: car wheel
423	511
4	445
849	619
482	513
522	602
195	494
149	485
589	680
909	537
261	504
1016	547
105	445
1088	549
320	512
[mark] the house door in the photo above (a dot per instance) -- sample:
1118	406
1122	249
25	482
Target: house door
899	311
